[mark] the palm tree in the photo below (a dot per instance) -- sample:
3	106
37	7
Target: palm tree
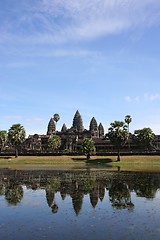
54	142
56	118
118	135
128	120
16	135
88	147
3	139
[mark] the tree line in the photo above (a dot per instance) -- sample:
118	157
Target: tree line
118	133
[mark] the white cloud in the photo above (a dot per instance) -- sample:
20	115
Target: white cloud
146	96
56	21
98	17
137	98
128	99
152	97
34	120
16	65
13	117
61	53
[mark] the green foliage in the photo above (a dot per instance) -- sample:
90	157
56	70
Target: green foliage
3	135
119	195
66	151
128	119
3	138
88	147
53	183
56	117
16	135
144	137
13	193
118	134
54	142
88	185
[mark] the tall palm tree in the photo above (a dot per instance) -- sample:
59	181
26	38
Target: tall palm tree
118	135
16	135
56	118
128	120
3	138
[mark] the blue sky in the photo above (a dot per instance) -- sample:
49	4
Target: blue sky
100	57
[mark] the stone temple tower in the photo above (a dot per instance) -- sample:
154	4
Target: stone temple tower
93	128
77	122
64	128
101	130
51	127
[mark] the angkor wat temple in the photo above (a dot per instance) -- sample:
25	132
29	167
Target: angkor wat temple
71	138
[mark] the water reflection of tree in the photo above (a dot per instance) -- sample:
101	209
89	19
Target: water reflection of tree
54	208
2	190
34	182
146	187
119	195
13	192
53	185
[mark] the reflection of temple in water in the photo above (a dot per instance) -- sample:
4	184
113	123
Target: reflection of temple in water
97	186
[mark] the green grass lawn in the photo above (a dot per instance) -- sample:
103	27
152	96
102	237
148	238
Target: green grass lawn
126	163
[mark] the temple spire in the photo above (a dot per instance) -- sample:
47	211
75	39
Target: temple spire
101	130
51	127
64	128
77	122
93	127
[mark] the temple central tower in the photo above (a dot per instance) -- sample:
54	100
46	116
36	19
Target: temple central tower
77	122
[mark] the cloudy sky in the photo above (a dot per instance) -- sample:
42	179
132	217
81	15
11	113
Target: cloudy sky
100	57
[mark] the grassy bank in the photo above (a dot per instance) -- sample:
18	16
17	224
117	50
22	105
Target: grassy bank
41	160
132	162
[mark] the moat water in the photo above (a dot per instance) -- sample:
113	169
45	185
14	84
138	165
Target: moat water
79	204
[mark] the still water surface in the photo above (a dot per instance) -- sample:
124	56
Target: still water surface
81	204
